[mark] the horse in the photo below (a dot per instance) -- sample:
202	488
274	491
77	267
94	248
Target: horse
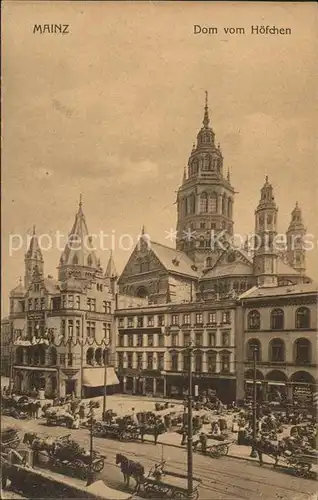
129	468
267	448
153	429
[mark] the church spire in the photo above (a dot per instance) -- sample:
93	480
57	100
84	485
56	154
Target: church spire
206	119
33	259
111	268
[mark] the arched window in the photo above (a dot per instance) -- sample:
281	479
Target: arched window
90	356
191	204
89	261
213	203
203	203
106	356
251	345
206	162
225	339
99	356
52	356
303	317
208	262
198	362
254	320
302	351
277	350
277	319
174	361
75	260
224	207
185	361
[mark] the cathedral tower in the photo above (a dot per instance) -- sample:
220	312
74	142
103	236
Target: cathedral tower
33	260
205	198
265	255
296	253
78	258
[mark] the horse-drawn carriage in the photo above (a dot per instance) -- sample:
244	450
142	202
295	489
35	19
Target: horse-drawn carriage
214	450
9	439
301	464
68	455
118	430
159	482
59	417
16	406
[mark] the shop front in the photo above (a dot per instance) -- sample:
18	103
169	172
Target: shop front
94	379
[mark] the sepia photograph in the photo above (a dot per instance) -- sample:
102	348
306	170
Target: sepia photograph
159	250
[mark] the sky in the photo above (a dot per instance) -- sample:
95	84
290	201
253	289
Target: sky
111	110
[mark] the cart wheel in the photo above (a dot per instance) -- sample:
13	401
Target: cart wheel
213	452
224	449
179	495
302	469
124	436
98	465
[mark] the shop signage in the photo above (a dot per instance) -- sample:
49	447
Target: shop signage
151	373
36	316
302	394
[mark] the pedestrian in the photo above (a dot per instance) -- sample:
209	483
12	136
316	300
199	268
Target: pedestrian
37	409
204	442
184	437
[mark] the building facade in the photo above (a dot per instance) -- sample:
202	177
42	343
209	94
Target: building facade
5	347
281	324
151	348
64	335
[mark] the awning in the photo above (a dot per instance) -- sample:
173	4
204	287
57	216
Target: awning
277	383
94	377
258	382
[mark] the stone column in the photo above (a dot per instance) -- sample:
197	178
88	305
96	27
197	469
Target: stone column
134	385
124	385
143	386
180	367
289	387
154	386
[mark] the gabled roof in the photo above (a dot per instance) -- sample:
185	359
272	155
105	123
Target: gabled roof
51	285
173	260
234	269
18	291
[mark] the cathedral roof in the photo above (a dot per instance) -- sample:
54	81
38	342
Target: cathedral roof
51	285
79	249
174	260
296	222
111	268
235	269
284	269
34	251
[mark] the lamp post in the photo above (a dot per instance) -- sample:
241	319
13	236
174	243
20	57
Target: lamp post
190	429
106	344
253	453
90	474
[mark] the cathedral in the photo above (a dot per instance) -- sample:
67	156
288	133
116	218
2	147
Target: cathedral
207	261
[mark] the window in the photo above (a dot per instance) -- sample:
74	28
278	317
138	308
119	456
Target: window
150	321
30	307
212	318
120	360
186	319
63	301
303	317
89	304
140	321
277	319
121	341
225	362
139	361
186	339
107	331
42	303
185	361
121	322
160	361
149	361
140	340
199	318
106	307
251	345
213	203
277	350
198	362
161	340
63	327
36	304
71	301
130	322
90	329
198	339
150	340
161	320
226	317
303	351
130	360
225	339
93	304
211	339
202	225
130	340
78	328
70	328
254	320
203	203
70	359
211	359
62	359
174	362
174	339
175	319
